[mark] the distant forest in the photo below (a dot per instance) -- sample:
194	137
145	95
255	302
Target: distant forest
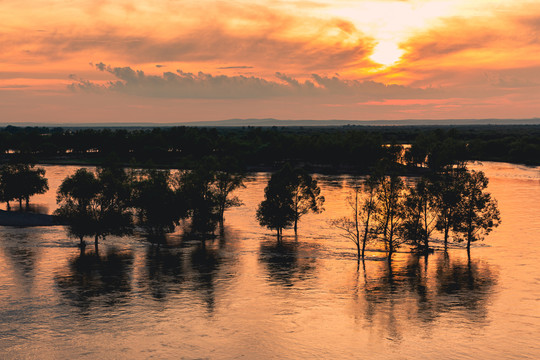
319	149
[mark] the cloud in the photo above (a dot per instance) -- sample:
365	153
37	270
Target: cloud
186	85
222	33
235	67
504	31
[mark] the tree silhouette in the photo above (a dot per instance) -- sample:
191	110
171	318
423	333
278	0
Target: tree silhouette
96	205
225	183
156	203
112	212
448	188
420	214
20	182
478	213
306	195
75	196
196	189
276	211
359	227
390	212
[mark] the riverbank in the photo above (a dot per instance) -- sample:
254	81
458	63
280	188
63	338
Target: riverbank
19	218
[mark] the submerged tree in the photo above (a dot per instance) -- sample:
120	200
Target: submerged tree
156	203
225	183
96	204
75	196
290	194
478	212
390	212
306	195
420	214
276	210
447	189
195	189
20	182
359	226
206	194
112	204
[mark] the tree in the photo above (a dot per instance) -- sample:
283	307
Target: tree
359	227
420	214
205	193
306	195
447	188
390	212
96	204
196	189
225	183
478	212
6	195
20	182
276	210
112	211
75	196
304	191
155	203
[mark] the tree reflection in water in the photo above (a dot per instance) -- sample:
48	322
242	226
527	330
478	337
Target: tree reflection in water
205	262
23	258
283	262
399	291
95	278
465	285
163	271
188	264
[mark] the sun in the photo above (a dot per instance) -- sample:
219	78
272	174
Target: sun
386	53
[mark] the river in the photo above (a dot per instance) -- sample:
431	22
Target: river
243	296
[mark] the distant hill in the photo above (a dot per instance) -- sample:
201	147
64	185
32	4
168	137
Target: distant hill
276	122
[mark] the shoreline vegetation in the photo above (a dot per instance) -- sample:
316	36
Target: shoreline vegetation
325	150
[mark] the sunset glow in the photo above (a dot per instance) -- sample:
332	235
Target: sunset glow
85	61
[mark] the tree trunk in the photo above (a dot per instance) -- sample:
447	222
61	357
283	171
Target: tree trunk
8	206
426	230
96	244
295	225
364	247
82	244
20	204
446	231
390	244
366	232
356	225
390	240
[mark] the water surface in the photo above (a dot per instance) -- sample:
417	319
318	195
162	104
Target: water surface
244	296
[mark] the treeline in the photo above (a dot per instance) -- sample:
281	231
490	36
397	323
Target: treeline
451	200
384	209
325	149
116	201
113	200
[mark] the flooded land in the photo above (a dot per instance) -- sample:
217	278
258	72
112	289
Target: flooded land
244	295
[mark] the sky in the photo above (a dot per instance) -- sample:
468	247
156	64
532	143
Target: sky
170	61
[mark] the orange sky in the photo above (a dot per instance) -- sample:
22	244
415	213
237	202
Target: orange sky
180	60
